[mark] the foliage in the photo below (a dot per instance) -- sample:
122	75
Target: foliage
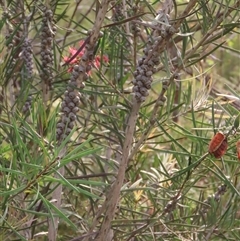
107	111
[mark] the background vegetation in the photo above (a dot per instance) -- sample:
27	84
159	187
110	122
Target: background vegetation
114	144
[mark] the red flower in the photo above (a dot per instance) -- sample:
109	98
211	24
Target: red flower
218	145
98	60
72	51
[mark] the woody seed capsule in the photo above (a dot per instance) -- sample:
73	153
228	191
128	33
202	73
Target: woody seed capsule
218	145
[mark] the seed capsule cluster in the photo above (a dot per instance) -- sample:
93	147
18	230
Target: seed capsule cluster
27	57
70	103
27	105
11	43
161	100
69	106
136	30
117	12
146	65
13	39
47	35
143	74
216	197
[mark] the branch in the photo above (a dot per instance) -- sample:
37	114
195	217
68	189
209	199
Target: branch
110	204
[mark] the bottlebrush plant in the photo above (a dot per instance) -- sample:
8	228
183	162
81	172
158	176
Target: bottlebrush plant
108	114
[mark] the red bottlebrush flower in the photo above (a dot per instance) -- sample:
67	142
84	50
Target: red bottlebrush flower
98	60
218	145
72	51
238	149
